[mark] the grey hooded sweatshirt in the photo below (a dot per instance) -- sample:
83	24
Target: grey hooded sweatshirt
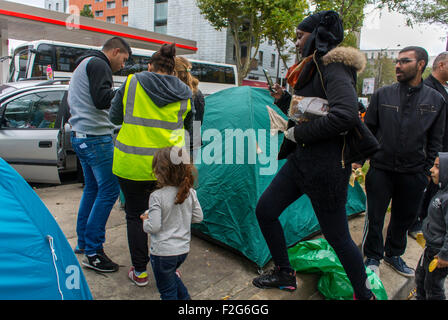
435	225
162	89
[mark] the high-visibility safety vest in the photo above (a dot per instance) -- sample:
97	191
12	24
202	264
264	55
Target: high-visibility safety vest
146	129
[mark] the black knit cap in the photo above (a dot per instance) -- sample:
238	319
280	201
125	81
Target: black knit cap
326	32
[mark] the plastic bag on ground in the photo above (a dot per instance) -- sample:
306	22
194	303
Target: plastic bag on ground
317	256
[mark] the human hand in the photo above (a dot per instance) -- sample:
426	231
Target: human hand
278	91
356	166
441	263
144	216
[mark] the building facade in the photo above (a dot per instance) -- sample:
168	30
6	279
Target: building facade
57	5
377	53
112	11
182	18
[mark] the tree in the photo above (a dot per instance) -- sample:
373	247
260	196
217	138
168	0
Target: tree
281	23
418	11
86	12
244	20
381	68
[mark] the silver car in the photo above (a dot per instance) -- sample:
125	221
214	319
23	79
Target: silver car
34	133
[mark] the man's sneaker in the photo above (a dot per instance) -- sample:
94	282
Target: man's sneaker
399	265
100	262
140	280
373	265
276	279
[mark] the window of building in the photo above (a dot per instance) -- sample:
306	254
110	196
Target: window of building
57	6
98	0
111	5
124	18
273	60
99	13
260	58
110	19
124	3
49	6
161	16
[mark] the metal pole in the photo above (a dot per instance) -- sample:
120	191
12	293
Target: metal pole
446	49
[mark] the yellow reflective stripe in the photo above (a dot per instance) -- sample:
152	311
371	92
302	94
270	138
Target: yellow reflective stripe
131	119
142	151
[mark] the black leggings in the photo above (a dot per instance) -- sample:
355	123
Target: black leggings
327	190
136	195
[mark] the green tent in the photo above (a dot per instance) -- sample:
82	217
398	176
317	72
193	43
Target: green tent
232	177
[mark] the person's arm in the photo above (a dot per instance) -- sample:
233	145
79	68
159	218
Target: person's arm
199	103
116	108
154	222
100	83
282	98
443	253
343	101
198	215
435	139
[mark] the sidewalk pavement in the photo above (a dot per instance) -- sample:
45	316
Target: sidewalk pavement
211	272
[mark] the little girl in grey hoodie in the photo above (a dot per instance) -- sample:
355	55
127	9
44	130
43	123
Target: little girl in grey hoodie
172	210
430	283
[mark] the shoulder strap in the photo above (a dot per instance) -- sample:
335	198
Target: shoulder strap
320	73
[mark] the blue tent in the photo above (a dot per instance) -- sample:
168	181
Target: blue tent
36	260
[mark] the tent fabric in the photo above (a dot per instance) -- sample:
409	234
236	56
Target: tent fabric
229	191
36	260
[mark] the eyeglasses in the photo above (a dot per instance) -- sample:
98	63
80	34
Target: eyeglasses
404	61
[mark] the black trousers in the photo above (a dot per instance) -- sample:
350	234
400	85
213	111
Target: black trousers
327	190
428	194
136	195
430	285
406	191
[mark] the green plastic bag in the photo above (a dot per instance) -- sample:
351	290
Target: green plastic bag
318	256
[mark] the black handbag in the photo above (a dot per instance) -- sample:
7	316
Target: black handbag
359	144
359	141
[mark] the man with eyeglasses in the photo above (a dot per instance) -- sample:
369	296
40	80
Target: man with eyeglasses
408	119
437	80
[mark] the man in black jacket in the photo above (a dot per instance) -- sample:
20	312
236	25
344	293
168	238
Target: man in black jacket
408	119
438	81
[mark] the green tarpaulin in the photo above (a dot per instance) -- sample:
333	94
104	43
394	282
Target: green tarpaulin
232	177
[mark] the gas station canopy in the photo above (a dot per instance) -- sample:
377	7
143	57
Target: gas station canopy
22	22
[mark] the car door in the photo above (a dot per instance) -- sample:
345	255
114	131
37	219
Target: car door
28	136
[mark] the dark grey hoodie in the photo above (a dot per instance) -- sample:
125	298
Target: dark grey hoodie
162	89
435	225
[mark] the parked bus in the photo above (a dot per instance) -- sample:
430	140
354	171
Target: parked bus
30	61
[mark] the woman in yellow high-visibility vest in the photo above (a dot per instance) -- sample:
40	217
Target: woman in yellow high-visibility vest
151	106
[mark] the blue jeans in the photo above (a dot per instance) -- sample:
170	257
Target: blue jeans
168	282
101	190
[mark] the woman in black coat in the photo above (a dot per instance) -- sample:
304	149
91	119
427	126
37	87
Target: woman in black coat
315	152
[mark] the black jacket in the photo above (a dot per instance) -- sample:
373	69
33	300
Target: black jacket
435	84
323	137
409	123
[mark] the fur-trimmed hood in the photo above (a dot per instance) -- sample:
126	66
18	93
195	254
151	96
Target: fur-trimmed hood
347	55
